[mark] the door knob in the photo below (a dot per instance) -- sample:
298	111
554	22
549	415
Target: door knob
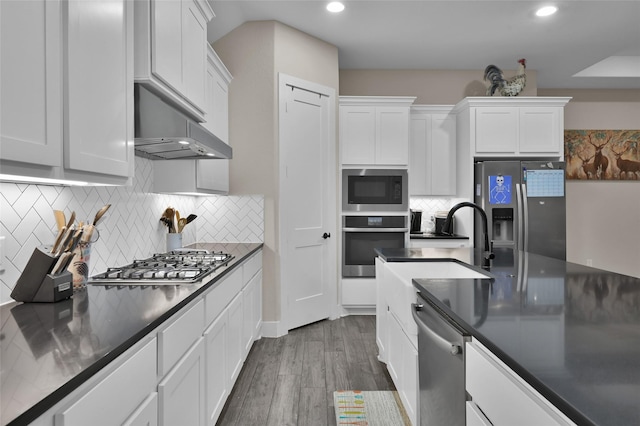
325	235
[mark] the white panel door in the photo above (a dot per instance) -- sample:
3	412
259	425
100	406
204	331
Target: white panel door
392	135
420	154
442	178
166	49
194	53
216	365
31	81
539	130
358	134
496	130
181	392
233	348
99	82
308	202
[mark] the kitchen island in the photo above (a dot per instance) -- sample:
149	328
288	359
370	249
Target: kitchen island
571	332
51	352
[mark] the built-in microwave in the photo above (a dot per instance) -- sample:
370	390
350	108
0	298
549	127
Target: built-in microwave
375	190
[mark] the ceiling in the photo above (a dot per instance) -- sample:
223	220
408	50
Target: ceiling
466	35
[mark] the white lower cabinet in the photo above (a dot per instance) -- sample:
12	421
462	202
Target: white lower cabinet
181	391
185	371
502	396
251	302
394	356
118	389
146	414
358	292
402	363
234	346
382	327
175	339
475	417
218	383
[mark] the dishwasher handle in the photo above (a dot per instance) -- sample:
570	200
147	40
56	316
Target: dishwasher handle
452	348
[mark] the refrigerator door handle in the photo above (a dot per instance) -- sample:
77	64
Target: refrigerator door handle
520	218
525	210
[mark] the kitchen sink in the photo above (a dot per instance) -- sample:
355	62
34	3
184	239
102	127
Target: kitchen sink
399	291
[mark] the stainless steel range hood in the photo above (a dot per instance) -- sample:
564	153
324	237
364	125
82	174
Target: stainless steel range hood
164	133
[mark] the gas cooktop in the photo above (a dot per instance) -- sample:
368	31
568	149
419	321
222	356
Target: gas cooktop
172	268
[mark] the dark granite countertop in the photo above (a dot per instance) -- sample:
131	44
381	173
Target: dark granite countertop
571	331
49	349
433	236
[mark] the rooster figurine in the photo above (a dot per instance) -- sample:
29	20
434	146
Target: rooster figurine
510	87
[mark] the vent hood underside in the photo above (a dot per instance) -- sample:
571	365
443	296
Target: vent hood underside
164	133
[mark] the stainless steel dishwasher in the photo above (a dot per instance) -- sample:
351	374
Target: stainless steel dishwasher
440	367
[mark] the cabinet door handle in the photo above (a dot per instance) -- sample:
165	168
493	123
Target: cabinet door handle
325	235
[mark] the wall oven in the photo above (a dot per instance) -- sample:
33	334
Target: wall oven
373	190
361	235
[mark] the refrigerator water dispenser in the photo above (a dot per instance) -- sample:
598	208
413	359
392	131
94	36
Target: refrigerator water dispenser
502	225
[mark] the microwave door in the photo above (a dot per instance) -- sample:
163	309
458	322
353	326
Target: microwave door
373	190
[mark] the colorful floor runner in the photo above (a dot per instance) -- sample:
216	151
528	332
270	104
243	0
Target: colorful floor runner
368	408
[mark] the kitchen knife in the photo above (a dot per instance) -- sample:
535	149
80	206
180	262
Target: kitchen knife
67	261
58	239
65	241
71	220
60	264
75	240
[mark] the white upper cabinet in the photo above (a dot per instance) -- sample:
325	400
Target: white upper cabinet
98	110
191	177
374	130
217	96
31	112
171	51
526	127
432	151
67	105
202	176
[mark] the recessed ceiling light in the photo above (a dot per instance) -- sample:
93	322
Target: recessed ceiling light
546	11
335	7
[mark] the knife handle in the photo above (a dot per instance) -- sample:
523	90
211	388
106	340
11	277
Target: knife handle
61	232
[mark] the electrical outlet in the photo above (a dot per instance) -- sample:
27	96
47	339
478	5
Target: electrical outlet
589	262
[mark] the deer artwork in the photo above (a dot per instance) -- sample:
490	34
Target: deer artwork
601	162
626	166
589	169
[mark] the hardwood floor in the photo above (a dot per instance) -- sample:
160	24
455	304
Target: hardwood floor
290	380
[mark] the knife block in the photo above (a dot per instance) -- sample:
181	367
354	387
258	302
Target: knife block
37	284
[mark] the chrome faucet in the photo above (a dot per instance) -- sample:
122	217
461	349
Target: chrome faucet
447	227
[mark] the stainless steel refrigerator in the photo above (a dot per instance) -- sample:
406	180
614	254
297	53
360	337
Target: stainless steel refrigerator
525	205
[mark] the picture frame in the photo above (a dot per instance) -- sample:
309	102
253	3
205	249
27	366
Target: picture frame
602	154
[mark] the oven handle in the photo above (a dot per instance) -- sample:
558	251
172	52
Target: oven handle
375	229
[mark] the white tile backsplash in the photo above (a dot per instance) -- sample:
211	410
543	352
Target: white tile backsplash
130	229
429	206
